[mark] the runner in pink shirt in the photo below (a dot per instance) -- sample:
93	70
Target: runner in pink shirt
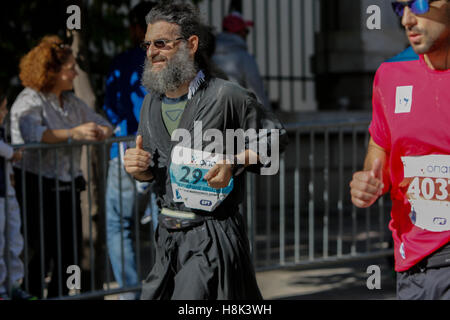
409	152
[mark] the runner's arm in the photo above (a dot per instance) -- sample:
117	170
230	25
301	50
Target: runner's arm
374	151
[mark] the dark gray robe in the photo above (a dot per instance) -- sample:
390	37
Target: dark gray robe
210	260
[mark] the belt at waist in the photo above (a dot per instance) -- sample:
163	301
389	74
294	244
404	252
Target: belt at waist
179	220
176	219
438	259
180	214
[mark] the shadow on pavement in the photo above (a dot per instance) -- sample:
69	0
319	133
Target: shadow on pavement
336	282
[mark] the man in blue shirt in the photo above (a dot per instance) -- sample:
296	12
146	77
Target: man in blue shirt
123	100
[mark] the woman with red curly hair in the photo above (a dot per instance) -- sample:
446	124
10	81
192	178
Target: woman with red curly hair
47	111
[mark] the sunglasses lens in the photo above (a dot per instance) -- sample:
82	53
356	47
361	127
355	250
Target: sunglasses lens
159	44
398	8
420	6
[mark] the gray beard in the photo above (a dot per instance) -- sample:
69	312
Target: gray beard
178	70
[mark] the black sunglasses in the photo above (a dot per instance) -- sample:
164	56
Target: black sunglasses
159	44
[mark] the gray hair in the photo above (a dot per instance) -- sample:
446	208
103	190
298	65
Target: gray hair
187	17
180	69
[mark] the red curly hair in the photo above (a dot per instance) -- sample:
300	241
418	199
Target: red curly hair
40	66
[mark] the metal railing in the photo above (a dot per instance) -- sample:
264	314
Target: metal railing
90	246
302	216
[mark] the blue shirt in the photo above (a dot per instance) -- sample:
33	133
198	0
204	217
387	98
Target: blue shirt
125	94
406	55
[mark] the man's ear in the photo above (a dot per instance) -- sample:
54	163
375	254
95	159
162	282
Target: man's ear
193	43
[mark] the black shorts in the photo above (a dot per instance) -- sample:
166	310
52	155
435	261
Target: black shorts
428	280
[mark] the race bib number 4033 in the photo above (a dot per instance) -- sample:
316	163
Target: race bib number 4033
187	171
428	180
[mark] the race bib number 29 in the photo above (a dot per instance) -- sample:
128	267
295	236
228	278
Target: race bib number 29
429	191
187	171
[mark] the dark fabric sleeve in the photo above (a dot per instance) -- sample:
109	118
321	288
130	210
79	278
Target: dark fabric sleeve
270	133
143	129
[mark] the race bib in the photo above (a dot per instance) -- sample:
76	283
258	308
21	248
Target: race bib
428	179
187	171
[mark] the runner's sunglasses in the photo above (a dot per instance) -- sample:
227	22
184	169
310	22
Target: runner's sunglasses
159	44
416	6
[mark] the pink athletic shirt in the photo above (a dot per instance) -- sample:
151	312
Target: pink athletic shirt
411	121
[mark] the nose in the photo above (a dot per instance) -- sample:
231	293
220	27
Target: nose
152	51
409	18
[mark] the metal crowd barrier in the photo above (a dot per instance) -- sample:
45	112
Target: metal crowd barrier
302	216
97	279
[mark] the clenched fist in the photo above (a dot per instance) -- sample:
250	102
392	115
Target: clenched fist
367	186
219	176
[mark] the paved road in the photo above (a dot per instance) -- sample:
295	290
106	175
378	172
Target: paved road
336	282
340	281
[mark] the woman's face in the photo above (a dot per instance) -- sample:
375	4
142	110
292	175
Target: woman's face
67	74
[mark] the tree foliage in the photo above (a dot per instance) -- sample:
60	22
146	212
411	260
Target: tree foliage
23	23
104	31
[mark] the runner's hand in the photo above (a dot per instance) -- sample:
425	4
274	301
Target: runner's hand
137	161
219	176
367	186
